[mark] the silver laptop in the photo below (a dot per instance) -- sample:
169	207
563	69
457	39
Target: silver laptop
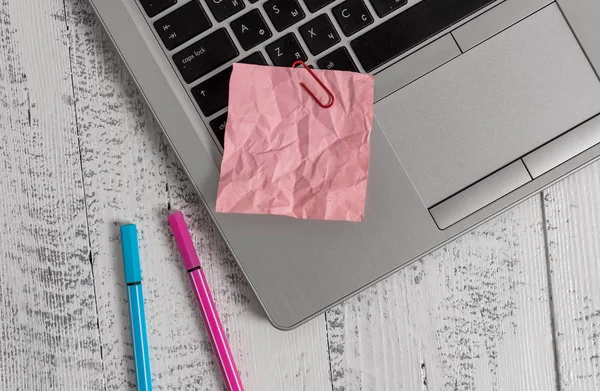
479	104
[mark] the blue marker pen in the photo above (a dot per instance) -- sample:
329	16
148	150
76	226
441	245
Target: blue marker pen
133	279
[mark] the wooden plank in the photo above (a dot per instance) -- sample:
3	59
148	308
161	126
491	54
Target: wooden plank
130	174
48	323
471	316
124	164
573	226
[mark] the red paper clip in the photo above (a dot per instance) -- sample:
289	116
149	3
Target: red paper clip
331	97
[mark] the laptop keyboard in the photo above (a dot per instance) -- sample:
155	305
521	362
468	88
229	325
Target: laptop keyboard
203	37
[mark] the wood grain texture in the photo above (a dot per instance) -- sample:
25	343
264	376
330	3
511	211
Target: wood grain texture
573	229
124	163
474	315
131	174
48	324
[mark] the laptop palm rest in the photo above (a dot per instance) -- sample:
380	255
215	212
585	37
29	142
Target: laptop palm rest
491	106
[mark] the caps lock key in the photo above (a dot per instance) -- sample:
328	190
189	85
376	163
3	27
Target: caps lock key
205	55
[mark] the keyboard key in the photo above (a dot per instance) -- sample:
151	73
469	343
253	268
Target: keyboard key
205	55
410	28
319	34
155	7
255	58
182	25
284	13
212	94
338	60
285	51
315	5
223	9
251	29
218	127
384	7
352	16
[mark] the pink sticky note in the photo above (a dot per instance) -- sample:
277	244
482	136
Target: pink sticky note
286	155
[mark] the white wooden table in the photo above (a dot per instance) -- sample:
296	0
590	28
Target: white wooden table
513	305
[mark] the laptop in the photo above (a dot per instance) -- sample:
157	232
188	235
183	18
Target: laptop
478	105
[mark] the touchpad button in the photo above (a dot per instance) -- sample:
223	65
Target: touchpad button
490	106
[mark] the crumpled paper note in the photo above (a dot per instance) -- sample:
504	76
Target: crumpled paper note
286	155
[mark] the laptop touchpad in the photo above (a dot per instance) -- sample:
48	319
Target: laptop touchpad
490	106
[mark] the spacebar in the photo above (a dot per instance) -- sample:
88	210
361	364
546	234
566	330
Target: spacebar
409	28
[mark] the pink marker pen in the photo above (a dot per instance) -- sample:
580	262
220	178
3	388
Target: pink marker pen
205	302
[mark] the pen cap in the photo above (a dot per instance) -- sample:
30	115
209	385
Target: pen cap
131	254
184	241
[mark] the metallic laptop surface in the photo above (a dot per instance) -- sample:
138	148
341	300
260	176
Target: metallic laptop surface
478	105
